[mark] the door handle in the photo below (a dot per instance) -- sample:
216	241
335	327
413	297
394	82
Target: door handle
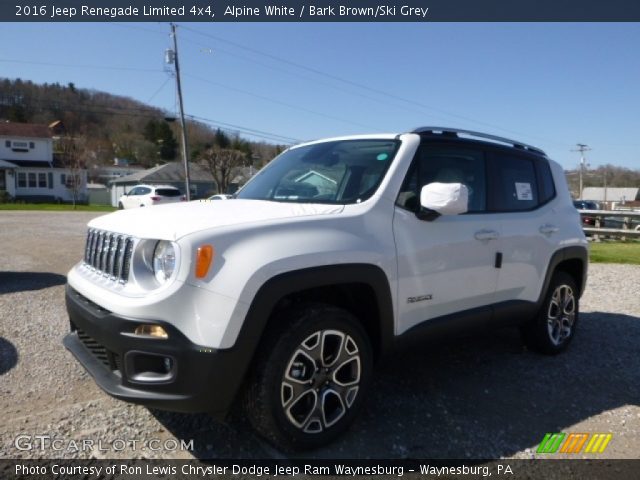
548	229
485	235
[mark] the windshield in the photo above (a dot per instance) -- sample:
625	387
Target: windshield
342	171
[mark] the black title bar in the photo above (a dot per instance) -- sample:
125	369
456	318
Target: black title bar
312	469
320	11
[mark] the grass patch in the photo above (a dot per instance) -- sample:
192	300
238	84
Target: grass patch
56	207
615	252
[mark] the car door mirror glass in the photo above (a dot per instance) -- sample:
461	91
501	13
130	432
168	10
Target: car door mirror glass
445	198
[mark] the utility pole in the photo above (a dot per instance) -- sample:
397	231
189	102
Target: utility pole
581	148
185	149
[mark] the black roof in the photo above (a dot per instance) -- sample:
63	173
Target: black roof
31	163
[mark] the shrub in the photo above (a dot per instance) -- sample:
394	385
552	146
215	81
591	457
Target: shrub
5	197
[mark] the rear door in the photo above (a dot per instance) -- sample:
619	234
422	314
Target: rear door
521	189
447	265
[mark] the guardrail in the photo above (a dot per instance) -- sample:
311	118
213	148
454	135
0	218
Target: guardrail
629	221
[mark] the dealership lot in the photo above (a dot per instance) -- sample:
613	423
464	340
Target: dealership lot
480	398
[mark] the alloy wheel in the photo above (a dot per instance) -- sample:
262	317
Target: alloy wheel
561	314
321	380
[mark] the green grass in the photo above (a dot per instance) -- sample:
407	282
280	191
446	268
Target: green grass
615	252
57	207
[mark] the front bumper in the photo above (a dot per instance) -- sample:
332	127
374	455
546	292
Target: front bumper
198	379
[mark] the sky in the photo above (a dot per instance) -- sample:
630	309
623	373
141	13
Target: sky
551	85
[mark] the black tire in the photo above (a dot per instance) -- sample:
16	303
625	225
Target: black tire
120	206
293	415
552	329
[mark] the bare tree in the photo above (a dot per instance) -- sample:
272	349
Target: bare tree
72	153
222	162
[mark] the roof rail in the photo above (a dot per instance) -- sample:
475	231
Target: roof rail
456	131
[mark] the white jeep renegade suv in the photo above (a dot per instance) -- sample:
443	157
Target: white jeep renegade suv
329	258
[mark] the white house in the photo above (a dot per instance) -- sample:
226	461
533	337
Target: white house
29	169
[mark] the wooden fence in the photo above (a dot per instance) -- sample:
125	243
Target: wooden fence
606	220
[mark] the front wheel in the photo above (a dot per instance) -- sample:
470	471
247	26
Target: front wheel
554	326
310	377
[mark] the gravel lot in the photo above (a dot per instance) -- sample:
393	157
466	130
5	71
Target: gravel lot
481	398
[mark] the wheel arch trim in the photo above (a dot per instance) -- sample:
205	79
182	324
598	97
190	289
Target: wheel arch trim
561	256
278	287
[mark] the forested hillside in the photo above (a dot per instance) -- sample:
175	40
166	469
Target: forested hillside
109	126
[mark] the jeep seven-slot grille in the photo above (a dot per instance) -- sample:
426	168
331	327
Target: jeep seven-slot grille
109	253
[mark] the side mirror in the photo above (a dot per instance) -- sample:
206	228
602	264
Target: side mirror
443	199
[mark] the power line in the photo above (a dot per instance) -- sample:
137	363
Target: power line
257	133
159	89
278	102
352	83
358	85
288	105
305	77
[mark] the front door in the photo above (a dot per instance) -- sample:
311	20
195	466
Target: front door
446	265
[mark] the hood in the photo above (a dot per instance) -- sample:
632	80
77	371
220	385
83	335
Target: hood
175	220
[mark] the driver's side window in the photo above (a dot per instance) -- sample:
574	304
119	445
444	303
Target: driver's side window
446	165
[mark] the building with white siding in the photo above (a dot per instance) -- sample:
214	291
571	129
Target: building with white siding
29	170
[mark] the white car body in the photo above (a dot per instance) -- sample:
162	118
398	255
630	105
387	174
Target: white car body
432	270
149	195
326	235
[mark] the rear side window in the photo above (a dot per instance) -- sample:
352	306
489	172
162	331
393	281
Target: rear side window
515	185
547	187
168	192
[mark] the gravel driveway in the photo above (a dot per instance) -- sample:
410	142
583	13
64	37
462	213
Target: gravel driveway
481	398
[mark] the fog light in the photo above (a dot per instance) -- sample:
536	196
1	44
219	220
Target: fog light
155	331
168	364
149	367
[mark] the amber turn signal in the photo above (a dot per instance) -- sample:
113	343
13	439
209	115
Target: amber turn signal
204	258
155	331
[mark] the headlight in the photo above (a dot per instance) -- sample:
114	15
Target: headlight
164	261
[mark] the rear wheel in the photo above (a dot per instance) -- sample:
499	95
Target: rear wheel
554	326
310	378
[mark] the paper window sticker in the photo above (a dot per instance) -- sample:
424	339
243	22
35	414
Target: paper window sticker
523	191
